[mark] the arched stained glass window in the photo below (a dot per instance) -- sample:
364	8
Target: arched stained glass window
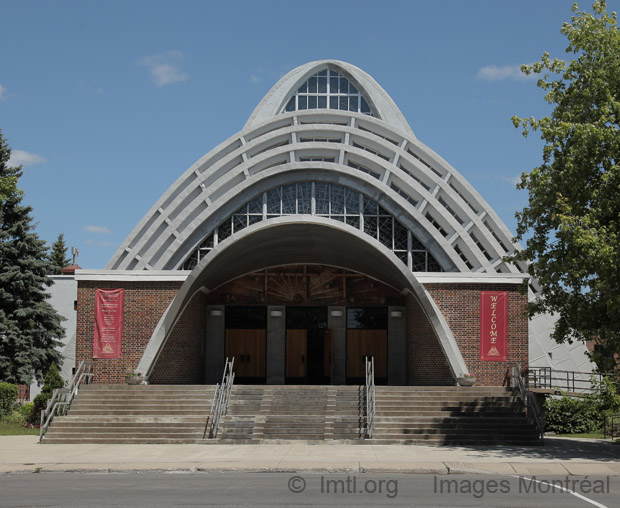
328	90
331	201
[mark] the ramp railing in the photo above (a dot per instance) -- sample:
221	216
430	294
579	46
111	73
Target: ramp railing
528	400
221	397
370	397
60	402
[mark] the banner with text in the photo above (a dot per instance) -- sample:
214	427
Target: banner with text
108	323
494	326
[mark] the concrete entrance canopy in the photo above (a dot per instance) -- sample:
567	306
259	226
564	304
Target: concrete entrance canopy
300	240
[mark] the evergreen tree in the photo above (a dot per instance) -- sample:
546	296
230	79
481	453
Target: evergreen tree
29	326
58	256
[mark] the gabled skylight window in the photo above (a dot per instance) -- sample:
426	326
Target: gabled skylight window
328	90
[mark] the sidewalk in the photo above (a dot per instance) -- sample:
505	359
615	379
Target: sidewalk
559	456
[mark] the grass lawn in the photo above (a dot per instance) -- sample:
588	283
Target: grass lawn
16	429
593	435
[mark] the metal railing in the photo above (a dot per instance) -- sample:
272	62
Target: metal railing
563	380
528	400
60	402
221	397
611	426
370	397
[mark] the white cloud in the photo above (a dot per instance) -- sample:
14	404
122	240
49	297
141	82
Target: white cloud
4	93
255	79
97	229
164	67
496	73
99	244
23	158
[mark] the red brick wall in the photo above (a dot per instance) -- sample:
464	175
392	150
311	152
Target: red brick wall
145	303
460	306
182	359
426	362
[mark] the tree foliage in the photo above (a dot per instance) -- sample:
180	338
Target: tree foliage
572	219
29	326
58	255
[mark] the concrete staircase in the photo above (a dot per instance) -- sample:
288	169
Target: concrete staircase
451	415
134	414
310	413
258	414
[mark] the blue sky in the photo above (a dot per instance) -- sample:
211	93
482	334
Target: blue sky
107	103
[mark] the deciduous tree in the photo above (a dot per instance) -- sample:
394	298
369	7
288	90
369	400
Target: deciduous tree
572	221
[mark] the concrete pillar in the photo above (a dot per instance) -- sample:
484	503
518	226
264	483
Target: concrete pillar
276	344
215	343
397	346
337	322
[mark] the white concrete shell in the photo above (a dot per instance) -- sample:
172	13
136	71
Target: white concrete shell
378	156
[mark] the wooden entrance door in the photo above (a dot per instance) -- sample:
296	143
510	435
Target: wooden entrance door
328	360
296	353
249	348
366	343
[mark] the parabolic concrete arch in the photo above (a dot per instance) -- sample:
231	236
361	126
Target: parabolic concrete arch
300	240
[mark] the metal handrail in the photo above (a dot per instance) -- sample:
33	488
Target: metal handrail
564	380
370	397
221	397
614	424
62	398
528	400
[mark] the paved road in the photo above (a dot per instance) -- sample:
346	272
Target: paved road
307	489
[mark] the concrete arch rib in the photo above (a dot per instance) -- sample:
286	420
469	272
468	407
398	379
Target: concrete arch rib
299	240
382	104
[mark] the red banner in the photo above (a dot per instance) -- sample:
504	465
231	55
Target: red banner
494	326
108	323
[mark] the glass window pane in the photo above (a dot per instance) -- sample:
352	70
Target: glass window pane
312	84
304	203
302	102
256	205
243	210
344	103
337	217
433	264
288	199
369	318
253	219
370	226
419	261
334	84
365	108
312	102
337	199
224	230
273	201
321	191
322	101
370	206
291	105
344	85
353	103
402	256
352	89
385	231
191	263
353	202
323	73
303	88
353	221
240	222
333	103
400	236
322	84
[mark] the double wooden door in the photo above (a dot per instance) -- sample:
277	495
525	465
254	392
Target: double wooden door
362	344
249	348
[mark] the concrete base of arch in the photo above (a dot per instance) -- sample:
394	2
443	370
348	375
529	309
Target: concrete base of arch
304	240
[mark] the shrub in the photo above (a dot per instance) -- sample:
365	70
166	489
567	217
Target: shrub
8	397
52	381
569	415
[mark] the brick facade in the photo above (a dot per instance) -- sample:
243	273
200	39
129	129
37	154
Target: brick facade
182	359
145	303
460	306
